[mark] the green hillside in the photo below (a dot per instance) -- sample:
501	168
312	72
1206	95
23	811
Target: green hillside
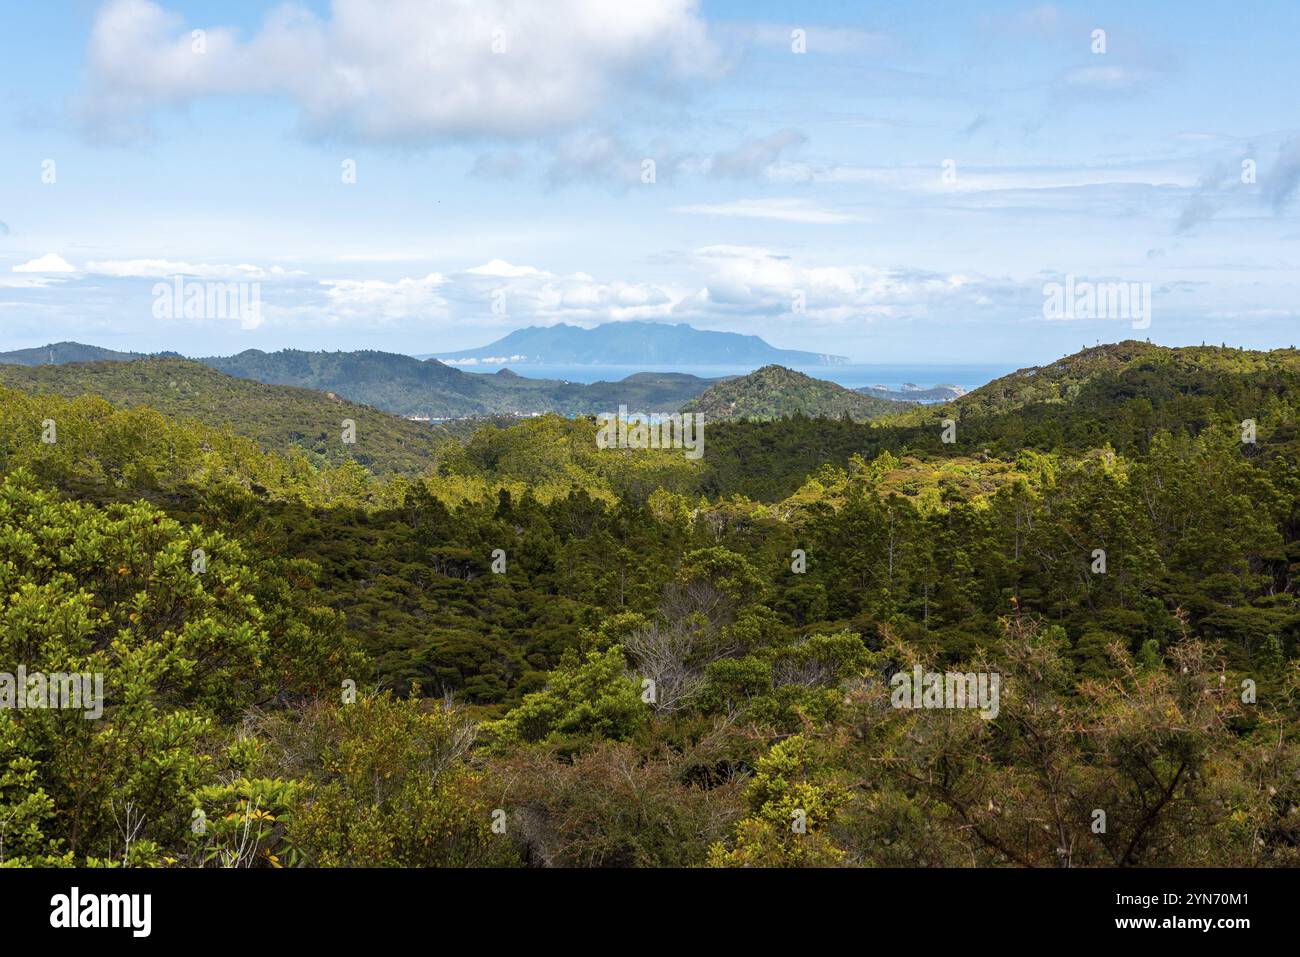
411	387
775	392
1132	368
276	417
407	386
647	660
60	352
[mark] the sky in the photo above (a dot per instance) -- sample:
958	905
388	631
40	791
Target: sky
891	182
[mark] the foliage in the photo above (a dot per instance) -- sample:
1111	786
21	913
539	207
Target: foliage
277	417
642	660
774	392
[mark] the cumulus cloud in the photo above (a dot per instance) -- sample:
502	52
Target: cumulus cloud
505	293
754	281
497	294
717	283
402	70
402	299
717	286
49	263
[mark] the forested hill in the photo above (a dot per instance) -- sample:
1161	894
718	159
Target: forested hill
278	418
774	392
60	352
408	386
1122	395
1157	373
1115	554
396	383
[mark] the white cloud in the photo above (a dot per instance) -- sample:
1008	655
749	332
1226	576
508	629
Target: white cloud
719	284
972	179
28	282
737	283
792	210
403	299
165	268
499	267
403	70
510	293
1111	78
50	262
495	294
757	282
486	360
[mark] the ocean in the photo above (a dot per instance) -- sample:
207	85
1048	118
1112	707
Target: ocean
850	376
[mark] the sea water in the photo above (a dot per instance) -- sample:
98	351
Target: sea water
850	376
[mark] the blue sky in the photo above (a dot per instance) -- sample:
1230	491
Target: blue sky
902	191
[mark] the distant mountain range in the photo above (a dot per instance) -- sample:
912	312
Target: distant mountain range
427	388
358	385
631	343
406	386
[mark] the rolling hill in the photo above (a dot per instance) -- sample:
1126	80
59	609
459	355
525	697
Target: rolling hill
406	386
278	418
57	353
917	551
1116	371
774	392
412	387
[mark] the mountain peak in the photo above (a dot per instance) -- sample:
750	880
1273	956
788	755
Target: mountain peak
775	392
58	353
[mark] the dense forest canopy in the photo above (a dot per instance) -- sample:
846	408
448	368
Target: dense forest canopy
513	647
